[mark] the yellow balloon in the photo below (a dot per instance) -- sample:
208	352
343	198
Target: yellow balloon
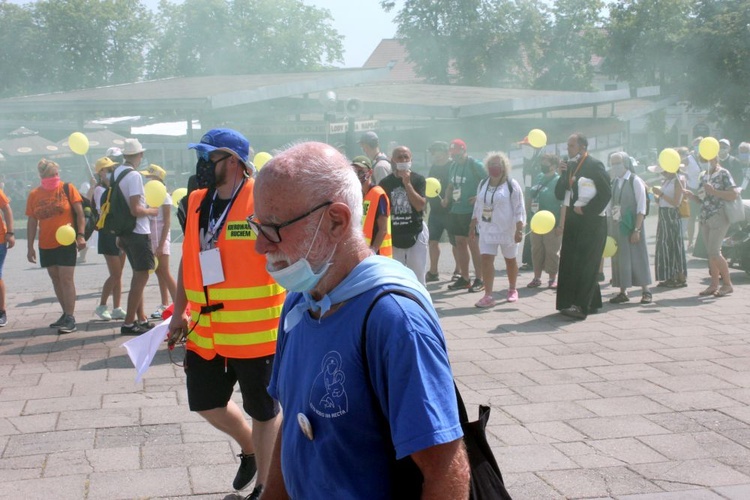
156	265
177	195
261	159
65	235
537	138
156	193
708	148
432	188
543	222
610	248
669	160
78	143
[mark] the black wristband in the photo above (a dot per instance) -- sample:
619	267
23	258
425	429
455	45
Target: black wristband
10	233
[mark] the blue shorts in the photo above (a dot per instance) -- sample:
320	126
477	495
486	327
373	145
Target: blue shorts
3	253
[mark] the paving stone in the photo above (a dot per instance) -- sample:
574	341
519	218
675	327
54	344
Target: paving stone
106	417
630	405
561	392
139	484
624	388
54	405
567	376
692	383
693	400
695	446
586	456
602	482
72	486
616	427
17	468
528	485
627	450
49	442
209	479
525	458
676	475
146	435
675	495
34	423
740	492
546	412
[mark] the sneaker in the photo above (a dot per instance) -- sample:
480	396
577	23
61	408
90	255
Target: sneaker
486	301
619	299
255	495
159	310
68	326
526	267
431	277
459	284
3	319
60	322
574	312
456	275
552	284
102	312
477	286
512	295
145	324
118	313
134	329
246	472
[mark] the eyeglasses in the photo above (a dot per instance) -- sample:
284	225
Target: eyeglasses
206	156
271	231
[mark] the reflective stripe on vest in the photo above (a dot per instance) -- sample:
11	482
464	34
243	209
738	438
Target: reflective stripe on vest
370	209
247	323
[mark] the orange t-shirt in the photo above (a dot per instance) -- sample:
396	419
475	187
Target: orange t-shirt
52	210
3	203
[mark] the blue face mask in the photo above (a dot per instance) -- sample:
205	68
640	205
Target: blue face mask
299	277
744	156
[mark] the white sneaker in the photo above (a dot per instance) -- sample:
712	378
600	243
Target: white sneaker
159	310
118	313
102	312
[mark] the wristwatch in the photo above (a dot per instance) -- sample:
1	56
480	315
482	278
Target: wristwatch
80	235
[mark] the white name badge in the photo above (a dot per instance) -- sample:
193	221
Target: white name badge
616	213
210	261
487	213
456	193
534	207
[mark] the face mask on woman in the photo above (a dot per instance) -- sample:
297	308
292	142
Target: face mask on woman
618	169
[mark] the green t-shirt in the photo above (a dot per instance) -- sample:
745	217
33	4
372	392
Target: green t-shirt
465	179
543	192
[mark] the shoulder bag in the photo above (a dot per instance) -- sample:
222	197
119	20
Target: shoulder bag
734	210
486	479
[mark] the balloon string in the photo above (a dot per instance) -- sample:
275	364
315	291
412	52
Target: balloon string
88	165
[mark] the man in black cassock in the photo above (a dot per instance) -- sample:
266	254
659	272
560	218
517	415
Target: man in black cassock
584	187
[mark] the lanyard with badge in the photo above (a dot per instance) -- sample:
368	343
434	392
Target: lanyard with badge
616	209
487	208
210	257
572	179
537	190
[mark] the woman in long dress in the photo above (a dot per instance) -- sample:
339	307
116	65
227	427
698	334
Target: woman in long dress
670	264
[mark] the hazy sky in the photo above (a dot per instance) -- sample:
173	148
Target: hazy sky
363	23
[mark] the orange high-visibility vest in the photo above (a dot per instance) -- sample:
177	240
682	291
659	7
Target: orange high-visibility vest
246	324
370	215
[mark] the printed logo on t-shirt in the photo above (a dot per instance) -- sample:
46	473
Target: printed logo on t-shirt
400	203
328	397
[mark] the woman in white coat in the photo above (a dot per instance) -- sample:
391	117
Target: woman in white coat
500	217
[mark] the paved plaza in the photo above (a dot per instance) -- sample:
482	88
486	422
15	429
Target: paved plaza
636	402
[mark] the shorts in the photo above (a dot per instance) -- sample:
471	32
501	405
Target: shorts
458	224
3	253
437	224
60	256
210	384
714	230
107	244
509	251
138	249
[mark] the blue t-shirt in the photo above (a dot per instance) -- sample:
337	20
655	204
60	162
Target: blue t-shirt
318	371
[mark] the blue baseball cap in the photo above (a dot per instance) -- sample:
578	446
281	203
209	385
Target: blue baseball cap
225	139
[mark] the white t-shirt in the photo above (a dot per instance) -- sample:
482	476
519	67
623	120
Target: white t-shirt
132	185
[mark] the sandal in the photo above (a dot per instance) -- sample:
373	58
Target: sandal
619	299
724	291
552	284
646	298
536	282
708	291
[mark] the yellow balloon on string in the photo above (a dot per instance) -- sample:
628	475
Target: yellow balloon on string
610	248
708	148
156	265
669	160
78	143
177	195
156	193
543	222
537	138
261	159
432	188
65	235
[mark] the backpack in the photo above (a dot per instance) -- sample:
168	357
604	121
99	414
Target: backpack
90	215
648	198
486	180
115	217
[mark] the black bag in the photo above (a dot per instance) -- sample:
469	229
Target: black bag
486	478
115	217
90	215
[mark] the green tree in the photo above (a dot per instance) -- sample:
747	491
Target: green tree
644	38
471	42
716	52
16	36
208	37
574	37
87	43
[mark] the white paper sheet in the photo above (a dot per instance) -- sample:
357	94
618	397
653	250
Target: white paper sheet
142	349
